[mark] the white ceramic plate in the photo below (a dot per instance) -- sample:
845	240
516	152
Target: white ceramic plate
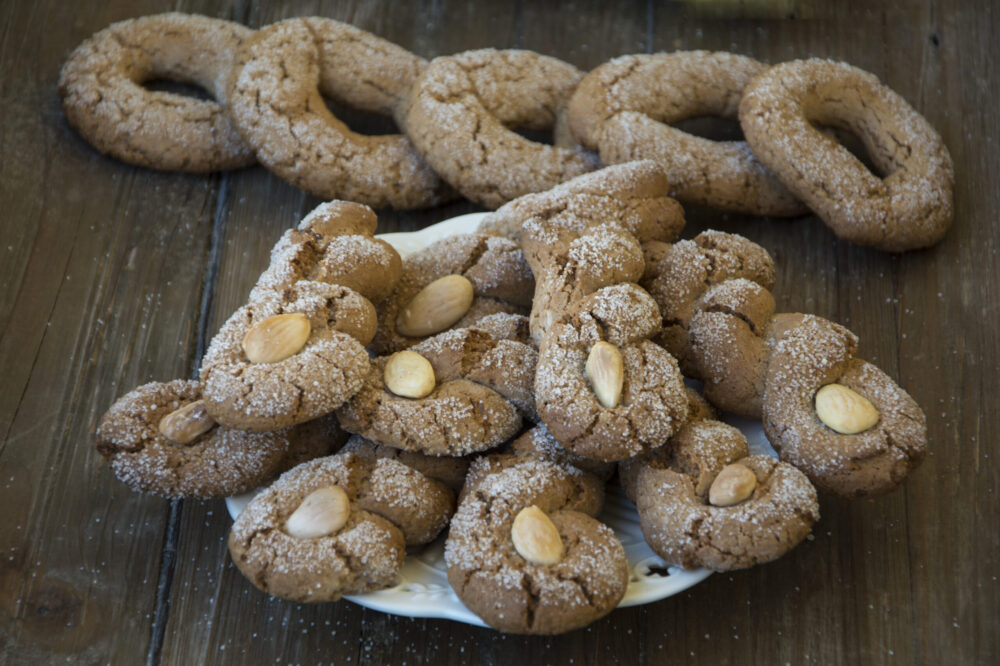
422	588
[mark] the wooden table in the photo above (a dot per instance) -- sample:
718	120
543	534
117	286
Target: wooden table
113	276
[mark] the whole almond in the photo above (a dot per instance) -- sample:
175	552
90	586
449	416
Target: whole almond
186	424
844	410
410	375
535	537
276	338
735	483
606	373
436	307
322	512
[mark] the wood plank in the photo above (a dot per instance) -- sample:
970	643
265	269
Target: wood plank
101	293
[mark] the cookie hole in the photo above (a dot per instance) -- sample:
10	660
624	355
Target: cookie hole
177	88
538	136
362	122
712	127
659	572
854	145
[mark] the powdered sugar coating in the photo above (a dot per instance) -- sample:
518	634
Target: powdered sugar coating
104	99
910	207
459	111
328	370
334	243
653	405
483	388
868	463
276	103
501	280
624	109
505	590
219	463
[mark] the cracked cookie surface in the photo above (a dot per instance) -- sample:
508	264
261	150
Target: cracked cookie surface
482	389
462	112
908	204
219	462
388	506
104	98
276	102
624	109
511	593
653	403
671	489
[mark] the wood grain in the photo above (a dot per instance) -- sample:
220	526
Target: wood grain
113	276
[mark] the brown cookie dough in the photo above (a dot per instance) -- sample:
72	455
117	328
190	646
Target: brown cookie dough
324	371
478	388
692	518
276	102
461	110
678	275
624	109
632	196
579	574
334	243
495	268
337	525
189	455
101	85
907	205
817	353
449	470
540	443
570	393
756	363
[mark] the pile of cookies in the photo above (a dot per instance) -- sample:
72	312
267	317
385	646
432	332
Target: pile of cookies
494	382
459	114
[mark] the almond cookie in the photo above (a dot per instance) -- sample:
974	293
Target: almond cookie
907	205
461	110
276	101
459	392
159	439
453	283
679	274
624	109
337	525
840	420
449	470
524	552
334	243
288	358
104	99
703	501
602	388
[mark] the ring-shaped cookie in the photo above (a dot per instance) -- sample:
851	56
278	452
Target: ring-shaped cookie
624	109
276	101
104	99
814	354
327	370
653	404
462	107
910	207
670	488
218	462
498	583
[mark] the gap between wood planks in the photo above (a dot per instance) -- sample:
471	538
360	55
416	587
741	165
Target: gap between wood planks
168	560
